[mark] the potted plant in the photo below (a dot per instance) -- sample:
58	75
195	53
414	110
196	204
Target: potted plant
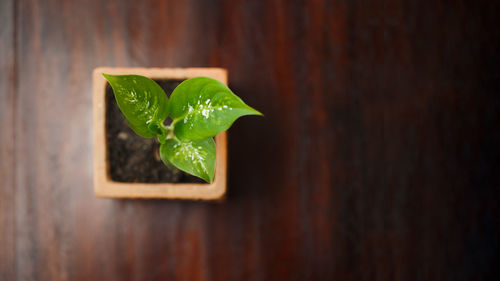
150	145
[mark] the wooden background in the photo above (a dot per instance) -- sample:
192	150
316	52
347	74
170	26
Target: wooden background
378	157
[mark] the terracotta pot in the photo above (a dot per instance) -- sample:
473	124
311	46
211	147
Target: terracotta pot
104	186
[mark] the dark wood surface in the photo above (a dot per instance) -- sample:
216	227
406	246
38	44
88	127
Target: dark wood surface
377	158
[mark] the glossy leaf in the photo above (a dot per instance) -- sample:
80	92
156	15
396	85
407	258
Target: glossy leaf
194	157
142	101
202	107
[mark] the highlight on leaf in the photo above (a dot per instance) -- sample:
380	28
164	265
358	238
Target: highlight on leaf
202	107
194	157
142	101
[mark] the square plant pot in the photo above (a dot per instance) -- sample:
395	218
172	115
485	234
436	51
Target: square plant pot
106	186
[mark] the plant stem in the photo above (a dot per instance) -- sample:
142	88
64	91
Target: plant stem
169	132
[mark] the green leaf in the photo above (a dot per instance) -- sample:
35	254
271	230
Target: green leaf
194	157
142	101
202	107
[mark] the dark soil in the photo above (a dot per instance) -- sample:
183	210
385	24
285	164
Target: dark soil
133	158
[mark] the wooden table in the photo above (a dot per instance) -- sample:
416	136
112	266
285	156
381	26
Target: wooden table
377	158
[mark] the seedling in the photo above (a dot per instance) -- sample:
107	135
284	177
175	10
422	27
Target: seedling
199	109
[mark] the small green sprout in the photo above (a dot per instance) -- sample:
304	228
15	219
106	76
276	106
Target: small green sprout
199	107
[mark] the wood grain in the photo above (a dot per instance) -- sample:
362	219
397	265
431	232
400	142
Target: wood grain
7	156
377	158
